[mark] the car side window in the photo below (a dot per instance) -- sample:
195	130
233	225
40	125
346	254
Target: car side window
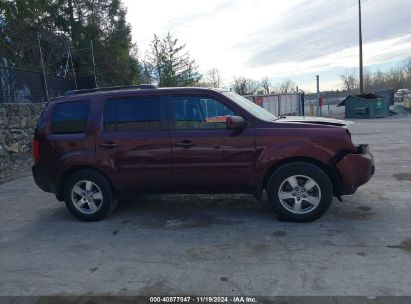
196	112
132	114
70	117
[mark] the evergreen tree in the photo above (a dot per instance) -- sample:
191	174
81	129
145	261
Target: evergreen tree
20	22
70	25
102	22
171	65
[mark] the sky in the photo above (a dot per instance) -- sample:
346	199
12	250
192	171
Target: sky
279	39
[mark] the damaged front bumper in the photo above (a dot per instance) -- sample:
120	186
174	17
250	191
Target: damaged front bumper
355	169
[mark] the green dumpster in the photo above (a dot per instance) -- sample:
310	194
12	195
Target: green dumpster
366	105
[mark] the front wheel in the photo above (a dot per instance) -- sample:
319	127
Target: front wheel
88	195
299	192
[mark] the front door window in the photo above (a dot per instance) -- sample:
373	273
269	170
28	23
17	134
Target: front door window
194	112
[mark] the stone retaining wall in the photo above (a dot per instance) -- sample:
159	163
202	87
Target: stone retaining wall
17	124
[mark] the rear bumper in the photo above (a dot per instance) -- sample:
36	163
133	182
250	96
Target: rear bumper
356	169
41	178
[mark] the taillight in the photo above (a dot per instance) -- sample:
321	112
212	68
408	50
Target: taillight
36	151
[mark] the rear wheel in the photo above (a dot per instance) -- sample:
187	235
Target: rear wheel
88	195
299	192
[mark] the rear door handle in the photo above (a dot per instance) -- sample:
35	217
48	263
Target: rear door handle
109	145
185	144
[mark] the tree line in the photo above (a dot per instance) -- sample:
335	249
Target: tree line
71	32
247	86
398	77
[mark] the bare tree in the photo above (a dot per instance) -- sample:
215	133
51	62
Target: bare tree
407	68
350	81
214	78
368	81
244	86
287	86
398	77
265	85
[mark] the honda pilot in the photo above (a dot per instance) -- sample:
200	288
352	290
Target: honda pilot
92	147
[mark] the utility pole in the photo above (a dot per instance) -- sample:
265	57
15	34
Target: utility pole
360	43
409	73
94	64
318	96
42	68
300	101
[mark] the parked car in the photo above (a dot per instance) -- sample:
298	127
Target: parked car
407	101
93	146
399	95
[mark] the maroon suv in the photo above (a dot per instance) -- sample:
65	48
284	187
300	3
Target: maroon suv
93	146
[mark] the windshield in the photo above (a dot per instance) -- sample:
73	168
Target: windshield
250	106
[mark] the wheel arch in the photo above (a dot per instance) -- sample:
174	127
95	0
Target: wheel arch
70	171
329	170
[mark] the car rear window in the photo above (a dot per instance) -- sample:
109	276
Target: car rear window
132	114
70	117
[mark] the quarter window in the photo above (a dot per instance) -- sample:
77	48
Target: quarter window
70	117
194	112
132	114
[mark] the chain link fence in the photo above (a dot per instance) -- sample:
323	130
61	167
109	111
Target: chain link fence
329	108
22	86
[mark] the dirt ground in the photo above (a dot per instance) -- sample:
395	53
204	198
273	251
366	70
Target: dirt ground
218	244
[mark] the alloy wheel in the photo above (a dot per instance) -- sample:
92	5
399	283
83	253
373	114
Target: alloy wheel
299	194
87	197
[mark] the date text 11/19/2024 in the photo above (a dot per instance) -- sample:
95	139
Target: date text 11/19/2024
203	299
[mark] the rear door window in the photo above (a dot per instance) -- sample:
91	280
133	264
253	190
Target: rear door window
132	114
70	117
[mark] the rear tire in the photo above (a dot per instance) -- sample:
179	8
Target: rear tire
299	192
88	195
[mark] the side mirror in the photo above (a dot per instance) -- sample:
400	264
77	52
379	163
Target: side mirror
235	123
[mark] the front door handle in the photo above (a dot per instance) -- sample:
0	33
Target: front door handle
185	144
109	145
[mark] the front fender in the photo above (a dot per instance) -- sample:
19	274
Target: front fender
269	156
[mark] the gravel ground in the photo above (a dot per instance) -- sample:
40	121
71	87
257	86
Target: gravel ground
18	167
219	244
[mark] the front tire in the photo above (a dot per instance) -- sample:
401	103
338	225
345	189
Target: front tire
88	195
299	192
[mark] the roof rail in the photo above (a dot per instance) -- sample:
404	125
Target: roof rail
115	88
